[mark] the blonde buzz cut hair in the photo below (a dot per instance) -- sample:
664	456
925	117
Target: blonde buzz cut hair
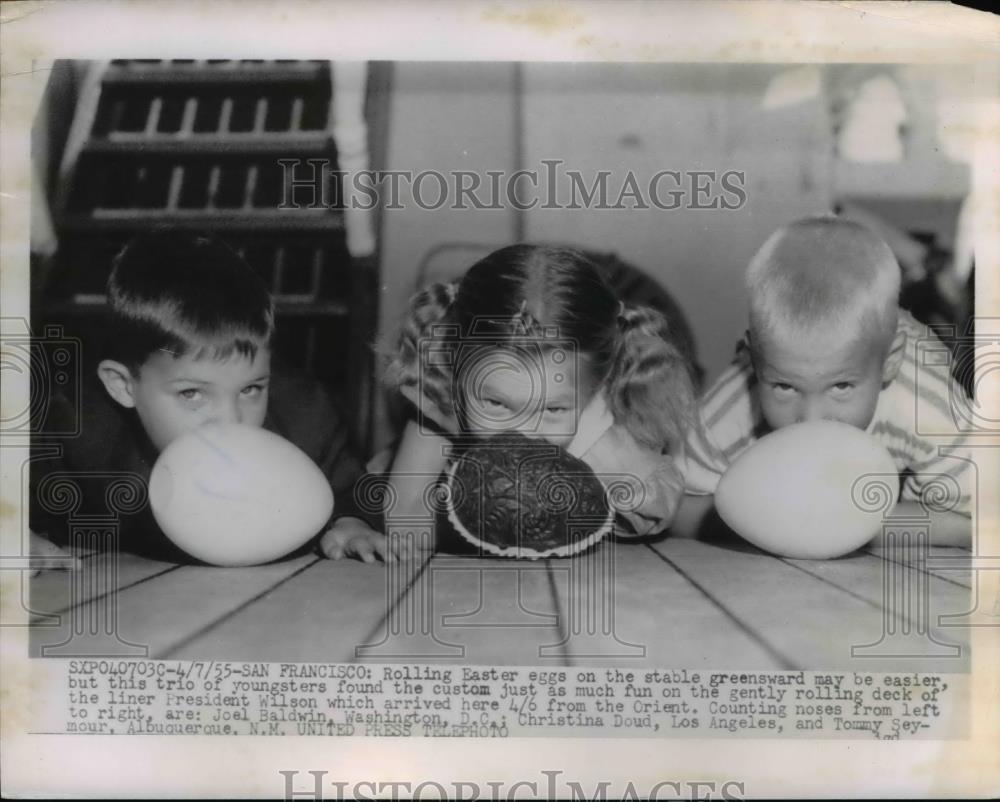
823	273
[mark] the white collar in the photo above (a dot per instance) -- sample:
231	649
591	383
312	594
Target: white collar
594	421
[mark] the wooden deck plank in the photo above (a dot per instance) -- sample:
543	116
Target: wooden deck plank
56	591
947	563
500	612
321	614
863	576
812	623
675	603
164	611
659	617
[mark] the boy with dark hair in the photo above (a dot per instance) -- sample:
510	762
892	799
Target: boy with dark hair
189	343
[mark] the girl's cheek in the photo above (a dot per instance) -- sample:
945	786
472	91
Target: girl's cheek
561	430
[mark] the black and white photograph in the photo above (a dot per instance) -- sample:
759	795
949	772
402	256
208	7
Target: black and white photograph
554	390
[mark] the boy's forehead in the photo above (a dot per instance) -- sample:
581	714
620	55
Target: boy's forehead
206	366
815	352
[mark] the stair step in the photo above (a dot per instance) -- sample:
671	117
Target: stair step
251	220
174	75
288	146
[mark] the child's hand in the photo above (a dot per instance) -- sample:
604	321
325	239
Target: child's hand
46	554
352	537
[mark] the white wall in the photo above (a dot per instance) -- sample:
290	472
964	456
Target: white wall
648	118
441	117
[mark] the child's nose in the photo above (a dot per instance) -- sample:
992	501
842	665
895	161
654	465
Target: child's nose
813	409
229	412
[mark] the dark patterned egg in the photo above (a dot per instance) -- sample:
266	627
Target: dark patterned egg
514	496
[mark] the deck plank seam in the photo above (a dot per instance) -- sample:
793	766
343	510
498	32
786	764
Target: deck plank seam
229	614
786	663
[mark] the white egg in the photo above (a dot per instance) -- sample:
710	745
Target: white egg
811	490
231	494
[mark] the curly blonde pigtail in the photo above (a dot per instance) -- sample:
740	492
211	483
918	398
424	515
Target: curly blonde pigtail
649	387
429	309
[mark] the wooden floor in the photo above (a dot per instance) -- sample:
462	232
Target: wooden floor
674	603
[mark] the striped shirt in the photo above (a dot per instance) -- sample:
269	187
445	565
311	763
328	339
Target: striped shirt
913	419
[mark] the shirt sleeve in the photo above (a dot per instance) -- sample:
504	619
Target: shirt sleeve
703	463
644	487
727	424
300	410
920	425
937	465
945	482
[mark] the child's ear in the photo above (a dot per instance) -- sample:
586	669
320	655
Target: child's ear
894	359
118	381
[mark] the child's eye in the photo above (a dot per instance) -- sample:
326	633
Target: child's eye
253	390
782	390
190	394
556	410
491	404
843	388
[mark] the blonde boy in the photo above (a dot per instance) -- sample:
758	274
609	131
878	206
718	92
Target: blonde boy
827	340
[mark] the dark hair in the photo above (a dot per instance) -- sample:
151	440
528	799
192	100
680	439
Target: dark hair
185	292
522	291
